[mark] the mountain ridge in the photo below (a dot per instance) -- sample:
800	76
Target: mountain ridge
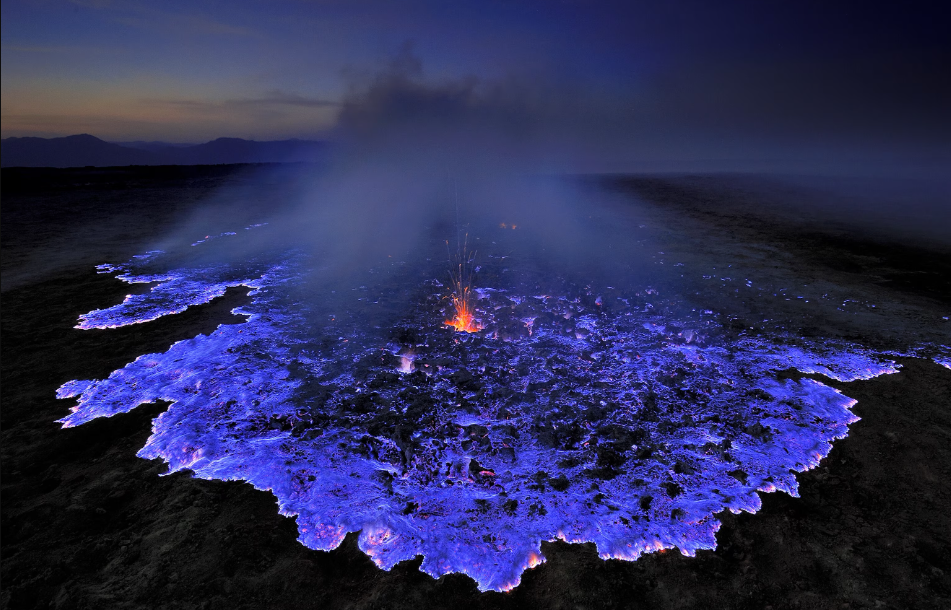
84	150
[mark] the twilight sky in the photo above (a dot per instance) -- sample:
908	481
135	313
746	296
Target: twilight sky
678	79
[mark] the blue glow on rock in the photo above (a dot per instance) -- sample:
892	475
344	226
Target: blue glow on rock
585	417
944	359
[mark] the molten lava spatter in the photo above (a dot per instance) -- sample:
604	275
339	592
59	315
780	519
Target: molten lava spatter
461	277
463	321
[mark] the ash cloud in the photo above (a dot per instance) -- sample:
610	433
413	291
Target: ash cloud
421	160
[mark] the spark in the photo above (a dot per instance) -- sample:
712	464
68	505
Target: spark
460	276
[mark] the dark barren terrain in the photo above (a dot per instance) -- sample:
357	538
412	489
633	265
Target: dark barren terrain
87	524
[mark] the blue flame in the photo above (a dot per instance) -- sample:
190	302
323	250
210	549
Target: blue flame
584	418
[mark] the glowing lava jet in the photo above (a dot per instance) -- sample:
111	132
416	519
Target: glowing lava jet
461	276
463	321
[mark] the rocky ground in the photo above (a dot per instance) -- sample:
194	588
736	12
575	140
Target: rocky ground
86	524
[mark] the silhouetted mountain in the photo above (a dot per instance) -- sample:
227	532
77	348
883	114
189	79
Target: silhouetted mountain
85	150
156	147
71	151
236	150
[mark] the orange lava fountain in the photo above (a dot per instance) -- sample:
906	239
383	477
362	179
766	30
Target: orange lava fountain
464	320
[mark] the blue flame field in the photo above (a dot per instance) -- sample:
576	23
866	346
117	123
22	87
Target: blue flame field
581	415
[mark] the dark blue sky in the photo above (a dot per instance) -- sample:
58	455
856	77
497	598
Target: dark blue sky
682	78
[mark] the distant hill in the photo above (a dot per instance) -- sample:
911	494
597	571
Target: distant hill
86	150
71	151
236	150
153	146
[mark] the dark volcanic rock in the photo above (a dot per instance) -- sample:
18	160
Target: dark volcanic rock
86	524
